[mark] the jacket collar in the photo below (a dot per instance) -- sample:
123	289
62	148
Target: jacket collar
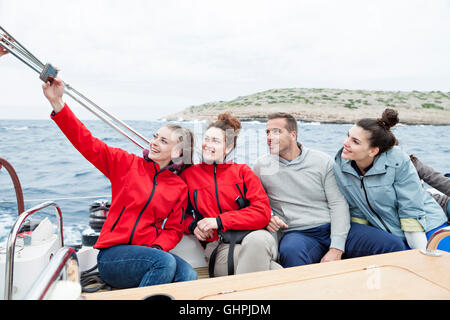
303	152
171	166
378	167
217	165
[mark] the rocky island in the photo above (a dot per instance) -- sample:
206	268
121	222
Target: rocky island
329	106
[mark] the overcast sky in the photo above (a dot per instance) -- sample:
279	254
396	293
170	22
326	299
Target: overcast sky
143	59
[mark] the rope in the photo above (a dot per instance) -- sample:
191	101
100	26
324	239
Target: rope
90	277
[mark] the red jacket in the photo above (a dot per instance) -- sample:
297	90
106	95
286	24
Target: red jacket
213	189
147	205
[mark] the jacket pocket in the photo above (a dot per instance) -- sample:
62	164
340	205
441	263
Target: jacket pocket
117	220
385	180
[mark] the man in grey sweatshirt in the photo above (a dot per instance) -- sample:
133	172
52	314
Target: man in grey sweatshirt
309	212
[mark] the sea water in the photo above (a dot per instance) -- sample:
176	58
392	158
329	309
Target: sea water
50	168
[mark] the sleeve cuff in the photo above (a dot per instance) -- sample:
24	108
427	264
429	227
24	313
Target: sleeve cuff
411	224
54	114
359	220
338	243
192	226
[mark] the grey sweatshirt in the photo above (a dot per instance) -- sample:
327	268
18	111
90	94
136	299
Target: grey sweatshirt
304	193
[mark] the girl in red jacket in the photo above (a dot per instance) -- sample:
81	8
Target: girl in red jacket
148	202
228	196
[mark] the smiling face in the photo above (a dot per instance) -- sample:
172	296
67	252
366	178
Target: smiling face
163	146
213	146
279	139
357	146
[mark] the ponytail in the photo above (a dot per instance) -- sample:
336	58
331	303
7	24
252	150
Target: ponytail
381	135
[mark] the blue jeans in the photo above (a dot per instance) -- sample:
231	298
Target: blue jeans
129	266
309	246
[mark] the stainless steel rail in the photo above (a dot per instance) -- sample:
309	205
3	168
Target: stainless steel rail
66	260
11	242
21	53
9	39
67	90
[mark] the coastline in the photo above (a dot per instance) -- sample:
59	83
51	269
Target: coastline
329	106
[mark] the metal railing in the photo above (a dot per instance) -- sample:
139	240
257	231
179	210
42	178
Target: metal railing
64	264
8	42
16	183
11	242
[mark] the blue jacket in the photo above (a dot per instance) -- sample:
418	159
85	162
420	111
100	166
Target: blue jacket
390	195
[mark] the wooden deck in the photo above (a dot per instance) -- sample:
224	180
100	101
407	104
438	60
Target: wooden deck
400	275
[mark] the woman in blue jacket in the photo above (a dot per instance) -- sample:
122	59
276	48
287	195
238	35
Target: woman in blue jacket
382	186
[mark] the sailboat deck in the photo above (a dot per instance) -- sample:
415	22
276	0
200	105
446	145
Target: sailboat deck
399	275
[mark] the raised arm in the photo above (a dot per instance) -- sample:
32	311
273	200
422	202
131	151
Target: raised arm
103	157
54	92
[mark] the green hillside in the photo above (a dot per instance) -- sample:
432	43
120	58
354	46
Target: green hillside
329	105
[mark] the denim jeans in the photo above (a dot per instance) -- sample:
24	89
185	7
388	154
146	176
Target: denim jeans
309	246
129	266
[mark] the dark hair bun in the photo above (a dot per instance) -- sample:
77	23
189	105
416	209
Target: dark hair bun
229	120
389	118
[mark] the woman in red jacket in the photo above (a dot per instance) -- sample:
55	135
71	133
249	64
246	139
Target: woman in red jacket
228	196
148	202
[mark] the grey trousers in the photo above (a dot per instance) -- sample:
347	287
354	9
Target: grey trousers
258	251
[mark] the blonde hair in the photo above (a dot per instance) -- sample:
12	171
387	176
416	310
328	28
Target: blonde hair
185	139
